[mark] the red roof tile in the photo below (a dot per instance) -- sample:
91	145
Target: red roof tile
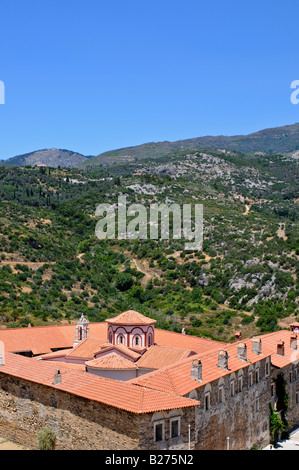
112	361
118	347
160	356
131	318
86	348
270	340
110	392
43	339
172	339
177	379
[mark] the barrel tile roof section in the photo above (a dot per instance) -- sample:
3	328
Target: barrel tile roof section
177	379
133	355
131	317
86	348
172	339
114	393
111	361
67	365
270	341
159	356
43	339
55	354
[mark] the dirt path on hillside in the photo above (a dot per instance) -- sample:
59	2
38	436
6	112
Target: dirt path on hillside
281	232
143	267
31	264
247	209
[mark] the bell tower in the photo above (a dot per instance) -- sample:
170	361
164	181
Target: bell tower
82	330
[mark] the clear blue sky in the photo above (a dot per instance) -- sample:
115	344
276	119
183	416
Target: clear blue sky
97	75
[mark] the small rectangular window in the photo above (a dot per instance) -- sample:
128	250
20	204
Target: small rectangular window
250	379
174	430
257	404
158	432
207	401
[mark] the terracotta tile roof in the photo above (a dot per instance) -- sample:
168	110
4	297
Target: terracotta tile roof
131	318
43	339
67	365
134	356
110	392
177	379
56	354
270	340
171	339
159	356
111	361
86	348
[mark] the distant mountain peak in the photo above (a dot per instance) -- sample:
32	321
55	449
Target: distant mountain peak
52	157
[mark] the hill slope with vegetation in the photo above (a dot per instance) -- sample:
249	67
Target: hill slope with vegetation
53	268
271	141
49	157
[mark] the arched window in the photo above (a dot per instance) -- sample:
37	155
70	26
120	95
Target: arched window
257	402
232	384
193	395
221	390
267	367
240	380
110	337
207	397
159	426
121	339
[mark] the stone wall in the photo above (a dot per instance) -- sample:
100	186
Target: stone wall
291	377
243	417
187	416
78	423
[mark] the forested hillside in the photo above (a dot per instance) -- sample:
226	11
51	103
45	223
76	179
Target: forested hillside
53	267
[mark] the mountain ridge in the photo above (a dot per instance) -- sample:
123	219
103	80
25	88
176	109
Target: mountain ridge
53	157
284	139
276	140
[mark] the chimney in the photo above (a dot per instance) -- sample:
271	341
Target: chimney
294	326
223	359
280	348
57	377
293	341
242	351
196	370
238	335
256	345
